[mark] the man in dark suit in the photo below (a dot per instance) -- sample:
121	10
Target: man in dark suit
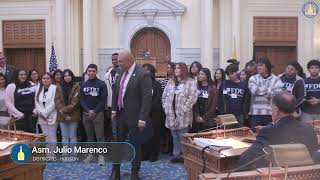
131	103
285	129
7	70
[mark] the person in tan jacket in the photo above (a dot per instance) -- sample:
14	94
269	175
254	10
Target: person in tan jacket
178	98
67	101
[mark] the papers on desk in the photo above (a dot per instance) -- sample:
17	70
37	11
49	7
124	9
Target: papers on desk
5	145
220	144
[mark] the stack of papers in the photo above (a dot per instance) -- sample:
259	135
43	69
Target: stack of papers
220	143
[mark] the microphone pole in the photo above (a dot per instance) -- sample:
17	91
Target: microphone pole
203	158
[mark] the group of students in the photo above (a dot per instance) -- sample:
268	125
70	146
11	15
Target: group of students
47	101
187	100
191	99
55	99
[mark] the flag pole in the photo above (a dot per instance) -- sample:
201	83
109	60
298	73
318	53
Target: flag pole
254	49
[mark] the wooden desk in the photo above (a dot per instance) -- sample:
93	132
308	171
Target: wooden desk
296	173
9	170
215	161
315	124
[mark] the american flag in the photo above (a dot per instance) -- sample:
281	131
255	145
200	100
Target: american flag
53	64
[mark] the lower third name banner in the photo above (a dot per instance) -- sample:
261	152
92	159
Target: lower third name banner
40	152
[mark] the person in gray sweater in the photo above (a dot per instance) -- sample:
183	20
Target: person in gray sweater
262	86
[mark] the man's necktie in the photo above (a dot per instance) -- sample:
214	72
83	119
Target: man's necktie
120	94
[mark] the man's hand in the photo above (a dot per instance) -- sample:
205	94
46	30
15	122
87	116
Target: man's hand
22	117
42	116
34	114
68	118
199	119
113	115
141	125
313	101
92	114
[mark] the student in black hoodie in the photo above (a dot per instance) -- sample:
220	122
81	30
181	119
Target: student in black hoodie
234	95
93	94
293	83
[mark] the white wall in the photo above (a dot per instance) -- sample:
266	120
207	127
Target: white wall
109	27
307	48
190	24
216	25
189	50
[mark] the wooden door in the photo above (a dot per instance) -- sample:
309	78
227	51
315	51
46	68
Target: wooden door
27	58
151	45
276	39
278	56
24	44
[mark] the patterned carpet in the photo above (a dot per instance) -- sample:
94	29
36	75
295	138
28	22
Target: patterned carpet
161	169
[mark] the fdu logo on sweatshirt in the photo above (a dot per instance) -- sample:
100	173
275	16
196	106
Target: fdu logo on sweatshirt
234	92
312	87
91	91
27	90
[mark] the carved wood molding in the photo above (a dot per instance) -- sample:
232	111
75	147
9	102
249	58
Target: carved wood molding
24	34
275	31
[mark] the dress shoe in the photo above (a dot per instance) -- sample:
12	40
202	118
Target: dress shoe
88	159
101	160
154	158
134	176
115	174
176	160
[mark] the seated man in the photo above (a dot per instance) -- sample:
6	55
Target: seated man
285	129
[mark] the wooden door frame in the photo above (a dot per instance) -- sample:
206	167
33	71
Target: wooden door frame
276	43
151	28
153	59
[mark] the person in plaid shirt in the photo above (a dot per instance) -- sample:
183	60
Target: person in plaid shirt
178	98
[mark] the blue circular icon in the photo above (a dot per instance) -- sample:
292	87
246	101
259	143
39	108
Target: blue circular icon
20	153
310	9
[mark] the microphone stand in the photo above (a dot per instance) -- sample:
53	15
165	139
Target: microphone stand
203	158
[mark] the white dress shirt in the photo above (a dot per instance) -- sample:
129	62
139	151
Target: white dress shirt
130	71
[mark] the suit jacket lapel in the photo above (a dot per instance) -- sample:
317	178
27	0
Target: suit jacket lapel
118	81
7	71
